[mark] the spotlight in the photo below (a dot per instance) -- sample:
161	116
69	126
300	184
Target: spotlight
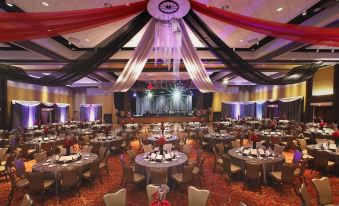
134	94
9	3
176	94
319	62
225	81
304	13
149	94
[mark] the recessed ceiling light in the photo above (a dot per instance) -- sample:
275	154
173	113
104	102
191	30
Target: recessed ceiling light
264	65
44	3
280	9
304	13
49	30
86	39
293	59
241	40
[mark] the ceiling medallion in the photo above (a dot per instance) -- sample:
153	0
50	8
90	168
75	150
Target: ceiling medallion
168	9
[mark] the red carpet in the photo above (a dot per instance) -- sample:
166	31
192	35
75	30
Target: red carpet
221	193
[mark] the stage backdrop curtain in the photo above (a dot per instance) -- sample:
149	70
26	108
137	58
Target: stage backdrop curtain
61	112
305	34
86	63
25	113
261	109
162	103
35	25
228	110
291	109
236	64
247	109
90	112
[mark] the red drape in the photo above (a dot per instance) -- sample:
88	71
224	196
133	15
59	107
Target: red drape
25	26
306	34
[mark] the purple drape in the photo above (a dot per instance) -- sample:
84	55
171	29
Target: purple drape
90	112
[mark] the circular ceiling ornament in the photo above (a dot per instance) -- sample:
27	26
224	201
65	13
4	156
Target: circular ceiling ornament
168	9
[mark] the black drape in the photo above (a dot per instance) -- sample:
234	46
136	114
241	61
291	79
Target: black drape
291	110
119	101
132	101
235	63
207	100
336	94
3	103
87	62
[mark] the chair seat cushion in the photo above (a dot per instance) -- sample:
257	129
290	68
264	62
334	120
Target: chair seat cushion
219	161
48	183
306	156
138	177
86	174
31	151
235	168
177	177
276	175
195	170
22	183
2	168
331	164
3	162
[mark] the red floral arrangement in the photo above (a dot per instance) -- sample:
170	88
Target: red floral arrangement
46	130
159	197
335	135
161	141
273	125
322	124
255	138
123	123
68	142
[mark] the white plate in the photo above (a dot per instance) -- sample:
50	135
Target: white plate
51	165
153	162
65	165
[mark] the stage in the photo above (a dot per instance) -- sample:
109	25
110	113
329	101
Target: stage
158	119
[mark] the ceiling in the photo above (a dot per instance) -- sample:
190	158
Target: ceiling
272	56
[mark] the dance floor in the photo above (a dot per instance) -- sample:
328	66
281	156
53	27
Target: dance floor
221	193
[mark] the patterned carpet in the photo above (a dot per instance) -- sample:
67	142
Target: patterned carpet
221	193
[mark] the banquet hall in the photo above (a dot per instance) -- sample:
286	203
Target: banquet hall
169	102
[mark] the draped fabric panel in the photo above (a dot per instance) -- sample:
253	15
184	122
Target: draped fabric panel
261	109
305	34
163	103
26	26
236	64
90	112
228	110
86	63
61	113
24	113
247	109
134	66
291	110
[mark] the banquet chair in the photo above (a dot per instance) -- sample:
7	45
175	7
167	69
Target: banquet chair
131	155
158	177
229	168
148	148
40	157
102	152
123	163
187	149
198	170
275	140
168	147
18	152
220	148
47	147
297	156
115	199
321	161
16	184
286	176
235	143
116	148
184	177
3	155
26	201
324	191
69	178
197	197
253	172
304	196
319	141
278	150
87	149
217	159
104	163
92	172
86	139
131	177
196	161
96	147
25	151
303	145
20	169
38	184
300	170
151	189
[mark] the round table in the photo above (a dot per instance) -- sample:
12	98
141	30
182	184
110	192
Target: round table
218	138
145	166
36	143
52	170
168	139
269	164
267	136
333	154
106	141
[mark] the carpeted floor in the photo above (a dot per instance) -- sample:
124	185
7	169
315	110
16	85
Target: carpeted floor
221	193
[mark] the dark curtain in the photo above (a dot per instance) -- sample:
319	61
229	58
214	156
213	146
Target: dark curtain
228	110
119	101
247	110
24	114
133	102
291	110
207	100
3	103
86	63
235	63
90	112
336	94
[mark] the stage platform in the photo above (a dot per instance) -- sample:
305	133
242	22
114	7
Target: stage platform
155	119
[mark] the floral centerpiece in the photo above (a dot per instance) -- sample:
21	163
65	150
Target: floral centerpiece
335	136
160	142
159	197
46	130
68	143
321	125
123	124
254	138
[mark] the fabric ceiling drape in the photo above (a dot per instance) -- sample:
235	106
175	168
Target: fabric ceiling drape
134	66
86	63
35	25
236	64
305	34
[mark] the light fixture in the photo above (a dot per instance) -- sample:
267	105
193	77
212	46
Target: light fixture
280	9
241	40
176	94
9	3
304	13
149	94
319	62
134	94
225	81
86	39
44	3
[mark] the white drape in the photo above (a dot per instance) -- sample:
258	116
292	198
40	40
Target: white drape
194	66
134	66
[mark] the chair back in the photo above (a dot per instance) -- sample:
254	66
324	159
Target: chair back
87	149
226	163
116	199
26	201
275	140
198	157
187	149
220	148
188	173
128	174
3	153
253	170
148	148
303	144
40	157
151	189
47	147
20	168
324	190
158	177
304	196
319	141
297	157
288	173
321	159
18	152
197	197
94	168
96	147
86	139
102	152
131	154
201	165
278	150
69	177
36	181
